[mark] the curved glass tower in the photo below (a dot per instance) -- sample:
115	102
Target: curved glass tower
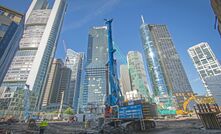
165	67
156	75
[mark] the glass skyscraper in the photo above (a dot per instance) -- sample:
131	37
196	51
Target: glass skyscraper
162	56
138	74
94	86
125	79
52	87
214	85
37	47
153	62
74	61
11	29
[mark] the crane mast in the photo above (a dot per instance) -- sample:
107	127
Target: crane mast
114	93
131	114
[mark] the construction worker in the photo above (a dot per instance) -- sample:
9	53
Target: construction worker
43	126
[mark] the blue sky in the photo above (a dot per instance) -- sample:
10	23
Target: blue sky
189	22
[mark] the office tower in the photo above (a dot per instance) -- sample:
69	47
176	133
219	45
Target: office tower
95	81
158	44
214	84
11	29
158	83
74	61
51	91
37	47
65	85
125	79
205	62
138	74
216	5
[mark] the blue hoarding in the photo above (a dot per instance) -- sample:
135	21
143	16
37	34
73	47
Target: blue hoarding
131	111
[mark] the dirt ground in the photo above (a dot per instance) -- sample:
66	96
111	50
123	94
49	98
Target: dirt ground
188	126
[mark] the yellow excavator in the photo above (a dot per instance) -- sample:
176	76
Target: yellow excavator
198	100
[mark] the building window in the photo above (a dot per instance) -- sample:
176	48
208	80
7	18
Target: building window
3	27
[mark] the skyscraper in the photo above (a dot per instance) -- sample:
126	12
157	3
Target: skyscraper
51	91
58	81
214	85
94	90
65	86
205	62
138	74
7	18
11	29
153	62
158	43
32	61
125	79
74	61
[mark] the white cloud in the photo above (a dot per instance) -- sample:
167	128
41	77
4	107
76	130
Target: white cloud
105	7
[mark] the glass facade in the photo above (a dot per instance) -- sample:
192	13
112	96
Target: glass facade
37	47
165	67
54	24
51	91
138	74
22	63
155	72
214	84
205	62
11	29
94	89
65	85
74	61
125	79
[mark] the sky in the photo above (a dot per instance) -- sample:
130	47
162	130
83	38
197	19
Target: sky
189	23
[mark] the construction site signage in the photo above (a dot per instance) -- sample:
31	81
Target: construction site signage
131	111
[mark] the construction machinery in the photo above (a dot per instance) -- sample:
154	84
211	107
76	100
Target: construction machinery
133	115
197	100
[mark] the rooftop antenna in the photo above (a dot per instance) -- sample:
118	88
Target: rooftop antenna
142	19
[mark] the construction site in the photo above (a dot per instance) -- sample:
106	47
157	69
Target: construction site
121	116
169	126
75	96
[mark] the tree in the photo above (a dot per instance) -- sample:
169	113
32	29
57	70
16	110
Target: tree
69	110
